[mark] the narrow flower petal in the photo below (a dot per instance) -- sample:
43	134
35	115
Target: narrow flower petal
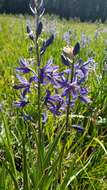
44	118
76	49
64	60
84	99
32	5
23	69
39	29
21	104
46	44
78	127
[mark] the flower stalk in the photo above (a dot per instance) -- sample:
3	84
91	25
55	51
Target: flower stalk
71	67
39	84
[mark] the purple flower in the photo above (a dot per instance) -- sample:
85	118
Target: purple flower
24	67
54	103
66	37
25	91
37	8
23	63
46	44
78	127
65	60
84	99
41	8
33	79
21	104
76	92
33	6
39	29
81	71
83	91
30	33
27	117
71	88
49	73
76	49
44	118
23	83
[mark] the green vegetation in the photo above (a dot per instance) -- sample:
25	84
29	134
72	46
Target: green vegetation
72	160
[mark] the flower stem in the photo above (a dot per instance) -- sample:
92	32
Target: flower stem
39	84
40	134
69	96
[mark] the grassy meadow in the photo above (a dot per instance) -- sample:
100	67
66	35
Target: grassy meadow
82	163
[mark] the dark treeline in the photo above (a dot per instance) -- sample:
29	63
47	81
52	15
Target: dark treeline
83	9
14	6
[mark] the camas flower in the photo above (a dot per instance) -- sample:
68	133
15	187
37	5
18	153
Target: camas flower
24	67
23	85
78	127
21	104
37	8
44	117
54	103
49	73
66	37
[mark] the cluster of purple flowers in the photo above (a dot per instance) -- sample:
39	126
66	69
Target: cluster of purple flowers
85	40
62	88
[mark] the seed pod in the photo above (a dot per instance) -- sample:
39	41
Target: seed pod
68	52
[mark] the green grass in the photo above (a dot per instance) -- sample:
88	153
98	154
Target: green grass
81	163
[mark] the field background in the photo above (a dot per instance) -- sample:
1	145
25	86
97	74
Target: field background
14	44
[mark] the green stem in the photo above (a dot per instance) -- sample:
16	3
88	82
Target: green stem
39	84
69	101
40	135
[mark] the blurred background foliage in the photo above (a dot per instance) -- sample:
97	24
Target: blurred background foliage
86	10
